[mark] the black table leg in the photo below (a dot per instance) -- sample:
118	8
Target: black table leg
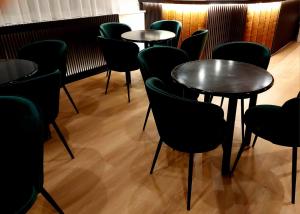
227	146
252	103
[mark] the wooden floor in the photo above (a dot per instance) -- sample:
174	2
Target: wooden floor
110	172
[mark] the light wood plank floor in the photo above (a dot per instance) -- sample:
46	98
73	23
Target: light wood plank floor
110	172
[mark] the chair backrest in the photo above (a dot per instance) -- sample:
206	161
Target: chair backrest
21	158
291	122
113	30
50	55
42	90
159	62
248	52
170	25
119	55
183	124
194	45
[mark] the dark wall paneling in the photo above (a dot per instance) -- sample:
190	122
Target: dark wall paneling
225	23
84	54
288	24
153	13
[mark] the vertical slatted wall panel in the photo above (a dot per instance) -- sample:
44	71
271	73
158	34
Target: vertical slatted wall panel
261	23
153	13
225	23
84	54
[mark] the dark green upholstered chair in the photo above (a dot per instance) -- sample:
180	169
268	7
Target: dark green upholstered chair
175	119
120	56
113	30
158	62
49	55
195	44
248	52
279	125
22	173
43	91
169	25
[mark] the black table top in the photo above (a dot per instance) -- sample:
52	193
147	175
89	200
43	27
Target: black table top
15	69
148	35
223	77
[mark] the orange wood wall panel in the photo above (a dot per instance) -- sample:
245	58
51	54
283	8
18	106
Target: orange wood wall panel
261	23
191	20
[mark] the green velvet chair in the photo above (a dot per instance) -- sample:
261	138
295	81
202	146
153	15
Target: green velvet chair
175	119
22	173
195	44
43	91
169	25
248	52
120	56
49	55
158	62
279	125
113	30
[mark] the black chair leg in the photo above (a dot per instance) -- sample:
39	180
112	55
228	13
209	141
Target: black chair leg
254	141
62	138
190	180
242	119
128	83
156	155
238	157
294	173
146	118
51	201
222	100
109	73
70	98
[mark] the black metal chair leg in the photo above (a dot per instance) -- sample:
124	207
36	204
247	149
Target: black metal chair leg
238	157
222	100
190	180
70	98
242	119
128	77
128	83
254	141
51	200
146	118
109	73
156	155
294	173
62	138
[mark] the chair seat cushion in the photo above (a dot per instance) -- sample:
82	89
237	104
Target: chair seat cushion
270	122
264	121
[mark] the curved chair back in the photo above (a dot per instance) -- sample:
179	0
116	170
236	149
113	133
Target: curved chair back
291	123
175	118
170	25
42	90
159	61
194	45
50	55
119	55
113	30
248	52
22	153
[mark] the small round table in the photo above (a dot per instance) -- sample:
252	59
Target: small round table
15	69
148	36
226	78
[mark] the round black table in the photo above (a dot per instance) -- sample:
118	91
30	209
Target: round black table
148	36
15	69
229	79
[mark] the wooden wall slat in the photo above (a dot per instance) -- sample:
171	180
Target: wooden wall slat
84	53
